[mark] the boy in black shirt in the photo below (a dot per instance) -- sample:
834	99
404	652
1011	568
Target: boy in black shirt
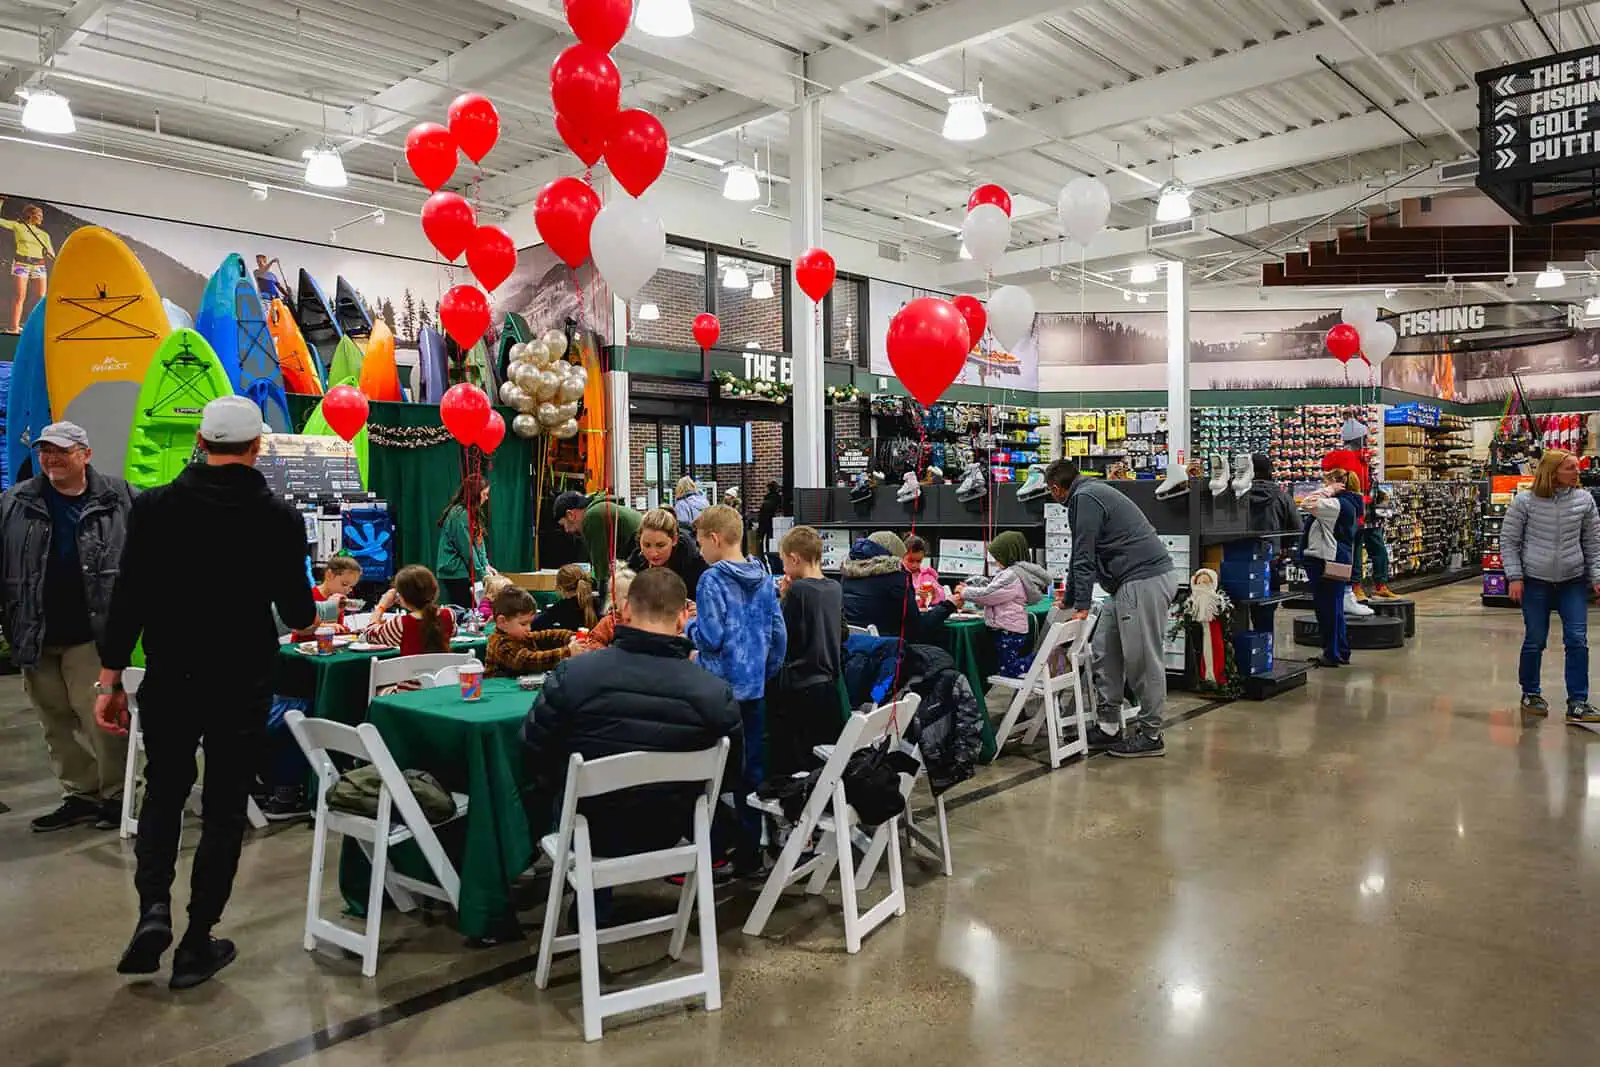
803	708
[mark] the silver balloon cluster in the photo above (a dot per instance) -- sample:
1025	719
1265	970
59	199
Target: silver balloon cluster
544	387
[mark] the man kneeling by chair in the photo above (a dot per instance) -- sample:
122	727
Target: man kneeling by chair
640	694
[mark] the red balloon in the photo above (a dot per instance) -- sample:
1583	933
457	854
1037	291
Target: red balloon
344	408
976	316
491	256
814	270
494	431
706	330
1343	342
475	124
584	144
563	212
636	150
464	409
599	22
464	314
449	222
928	344
431	154
585	87
990	194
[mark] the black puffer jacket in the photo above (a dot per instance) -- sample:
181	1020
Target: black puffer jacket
25	549
685	561
877	592
948	727
640	694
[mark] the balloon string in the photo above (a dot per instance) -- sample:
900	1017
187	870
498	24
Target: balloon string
908	602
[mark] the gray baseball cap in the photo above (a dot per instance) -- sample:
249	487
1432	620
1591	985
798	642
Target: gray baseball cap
63	435
230	420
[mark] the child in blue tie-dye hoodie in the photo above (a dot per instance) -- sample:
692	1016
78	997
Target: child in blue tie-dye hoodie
739	634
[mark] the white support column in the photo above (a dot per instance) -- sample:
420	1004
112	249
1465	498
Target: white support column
617	439
805	210
1177	366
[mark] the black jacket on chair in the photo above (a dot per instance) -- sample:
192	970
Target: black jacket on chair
640	694
877	592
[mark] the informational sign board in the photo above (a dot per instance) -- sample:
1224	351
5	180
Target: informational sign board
1484	327
851	456
1539	122
309	466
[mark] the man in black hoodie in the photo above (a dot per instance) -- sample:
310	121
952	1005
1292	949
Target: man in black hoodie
204	683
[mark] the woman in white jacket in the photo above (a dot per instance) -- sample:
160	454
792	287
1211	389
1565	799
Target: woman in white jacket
1550	541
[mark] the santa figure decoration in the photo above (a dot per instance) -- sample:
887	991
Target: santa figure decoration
1207	607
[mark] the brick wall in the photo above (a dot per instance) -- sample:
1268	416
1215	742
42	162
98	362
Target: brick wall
679	291
766	446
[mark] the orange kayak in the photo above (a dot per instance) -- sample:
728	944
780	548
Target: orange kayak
380	378
294	358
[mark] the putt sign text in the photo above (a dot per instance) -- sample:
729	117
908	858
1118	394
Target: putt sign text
1538	122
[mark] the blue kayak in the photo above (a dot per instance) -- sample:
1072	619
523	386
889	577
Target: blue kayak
259	376
215	319
28	406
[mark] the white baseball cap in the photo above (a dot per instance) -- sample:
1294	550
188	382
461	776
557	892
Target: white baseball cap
230	420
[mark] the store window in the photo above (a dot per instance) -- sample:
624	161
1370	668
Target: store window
663	311
750	299
845	327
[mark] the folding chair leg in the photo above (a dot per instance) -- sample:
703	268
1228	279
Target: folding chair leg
588	946
828	850
380	872
777	882
944	838
705	896
319	859
1009	722
686	899
897	873
552	925
130	778
252	812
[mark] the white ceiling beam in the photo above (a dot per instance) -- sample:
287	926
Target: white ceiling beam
928	35
73	26
1390	29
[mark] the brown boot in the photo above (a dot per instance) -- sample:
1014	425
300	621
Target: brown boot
1383	591
1361	594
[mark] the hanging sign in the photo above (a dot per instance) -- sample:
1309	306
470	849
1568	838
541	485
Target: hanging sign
1483	327
1539	122
852	455
309	466
769	367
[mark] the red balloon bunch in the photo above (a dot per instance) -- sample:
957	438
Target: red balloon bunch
450	223
464	409
928	342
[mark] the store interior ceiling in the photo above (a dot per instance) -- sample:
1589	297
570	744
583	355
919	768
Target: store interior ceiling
1286	118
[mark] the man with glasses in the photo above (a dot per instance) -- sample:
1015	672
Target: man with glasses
61	538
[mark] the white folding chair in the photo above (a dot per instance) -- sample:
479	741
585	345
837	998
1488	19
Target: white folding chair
375	835
397	669
131	679
576	867
828	812
862	631
1050	686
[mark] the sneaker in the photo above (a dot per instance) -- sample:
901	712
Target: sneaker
199	961
721	874
1383	592
1135	743
1534	704
1325	661
1098	739
1583	713
149	942
286	802
973	485
1244	474
110	817
934	475
74	811
1354	608
1032	486
909	489
1357	591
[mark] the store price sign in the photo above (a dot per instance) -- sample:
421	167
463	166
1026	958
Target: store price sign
309	466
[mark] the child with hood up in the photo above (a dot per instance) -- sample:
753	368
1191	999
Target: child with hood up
1005	599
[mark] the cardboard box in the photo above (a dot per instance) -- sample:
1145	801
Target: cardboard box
533	581
1404	435
1052	510
1404	474
1252	651
1256	551
1056	525
1404	456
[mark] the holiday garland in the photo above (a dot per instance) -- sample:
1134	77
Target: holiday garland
734	388
843	394
408	437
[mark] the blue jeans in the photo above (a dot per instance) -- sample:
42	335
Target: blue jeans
1571	600
1328	596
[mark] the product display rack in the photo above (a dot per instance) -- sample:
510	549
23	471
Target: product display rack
1490	516
1434	528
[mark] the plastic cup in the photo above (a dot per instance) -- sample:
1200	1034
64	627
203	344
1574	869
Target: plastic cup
472	681
324	640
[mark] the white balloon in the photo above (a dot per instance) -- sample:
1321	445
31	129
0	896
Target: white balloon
1360	314
1083	207
985	234
628	244
525	426
1377	341
1010	315
566	429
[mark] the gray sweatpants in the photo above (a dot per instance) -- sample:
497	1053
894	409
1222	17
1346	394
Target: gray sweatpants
1128	650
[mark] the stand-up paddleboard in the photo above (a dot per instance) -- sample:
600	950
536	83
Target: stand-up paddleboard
516	331
346	362
295	360
184	377
103	321
348	311
214	319
28	406
433	367
177	318
259	376
318	426
480	371
380	376
592	424
314	315
6	370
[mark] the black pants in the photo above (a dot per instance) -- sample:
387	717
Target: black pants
179	713
457	591
797	721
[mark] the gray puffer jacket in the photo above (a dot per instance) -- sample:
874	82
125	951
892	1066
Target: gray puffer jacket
25	530
1553	539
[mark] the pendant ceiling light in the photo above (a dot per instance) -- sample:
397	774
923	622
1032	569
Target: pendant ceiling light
1173	205
48	112
1591	308
1550	278
664	18
735	278
741	184
762	289
649	313
964	120
324	168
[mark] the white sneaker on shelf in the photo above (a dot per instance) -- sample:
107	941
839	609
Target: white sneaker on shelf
1244	473
909	489
1354	607
1219	474
1032	486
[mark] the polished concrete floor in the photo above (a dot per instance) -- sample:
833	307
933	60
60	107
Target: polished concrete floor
1385	868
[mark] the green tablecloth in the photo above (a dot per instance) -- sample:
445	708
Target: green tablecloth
474	749
336	686
969	645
